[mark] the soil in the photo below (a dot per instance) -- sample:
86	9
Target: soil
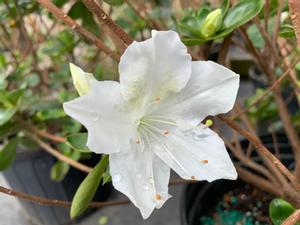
244	205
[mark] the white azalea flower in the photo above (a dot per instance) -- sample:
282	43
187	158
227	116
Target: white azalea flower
150	121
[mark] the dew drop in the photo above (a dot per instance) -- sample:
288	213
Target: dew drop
95	116
117	178
146	187
199	137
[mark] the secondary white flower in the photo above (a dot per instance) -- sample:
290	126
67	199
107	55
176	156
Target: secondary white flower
151	120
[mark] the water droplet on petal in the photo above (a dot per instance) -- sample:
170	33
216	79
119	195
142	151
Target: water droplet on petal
95	116
138	175
199	137
117	178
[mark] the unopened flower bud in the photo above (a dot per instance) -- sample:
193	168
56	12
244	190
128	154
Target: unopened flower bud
81	79
212	23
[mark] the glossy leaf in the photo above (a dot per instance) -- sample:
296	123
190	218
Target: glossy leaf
280	210
8	154
88	188
78	142
241	13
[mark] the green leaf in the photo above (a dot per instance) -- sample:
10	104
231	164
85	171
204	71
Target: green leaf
241	13
50	114
88	188
287	31
280	210
8	128
78	142
106	177
6	115
59	170
114	2
8	154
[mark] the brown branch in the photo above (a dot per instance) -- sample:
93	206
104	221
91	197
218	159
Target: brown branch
66	204
42	133
281	106
268	91
54	202
106	20
261	149
58	13
294	7
292	219
60	156
258	181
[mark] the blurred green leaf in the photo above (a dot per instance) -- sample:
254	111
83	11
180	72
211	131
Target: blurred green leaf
8	154
78	142
114	2
255	36
88	188
50	114
280	210
59	170
287	31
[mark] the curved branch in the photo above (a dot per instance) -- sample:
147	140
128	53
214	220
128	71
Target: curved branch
58	13
60	156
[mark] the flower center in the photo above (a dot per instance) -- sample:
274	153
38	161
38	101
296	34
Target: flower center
151	128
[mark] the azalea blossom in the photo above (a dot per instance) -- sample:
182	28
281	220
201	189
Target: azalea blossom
150	121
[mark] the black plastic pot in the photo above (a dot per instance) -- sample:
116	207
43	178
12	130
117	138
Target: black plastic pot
30	173
201	198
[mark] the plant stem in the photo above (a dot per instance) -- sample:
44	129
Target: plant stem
58	13
60	156
292	219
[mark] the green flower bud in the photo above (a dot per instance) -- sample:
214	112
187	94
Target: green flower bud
81	79
212	23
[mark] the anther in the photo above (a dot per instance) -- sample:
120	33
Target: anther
205	161
137	141
158	197
193	177
157	99
166	132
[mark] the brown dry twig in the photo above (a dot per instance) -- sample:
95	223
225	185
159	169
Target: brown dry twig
294	7
292	219
58	155
58	13
66	204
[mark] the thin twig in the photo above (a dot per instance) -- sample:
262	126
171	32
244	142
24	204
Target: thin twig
262	149
294	7
58	13
60	156
268	91
292	219
105	19
66	204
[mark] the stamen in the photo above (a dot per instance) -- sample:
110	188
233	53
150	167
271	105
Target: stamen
205	161
193	177
137	141
166	132
157	99
158	197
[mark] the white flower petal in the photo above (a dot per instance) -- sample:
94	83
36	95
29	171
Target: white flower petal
211	90
154	67
81	79
142	177
102	112
198	154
